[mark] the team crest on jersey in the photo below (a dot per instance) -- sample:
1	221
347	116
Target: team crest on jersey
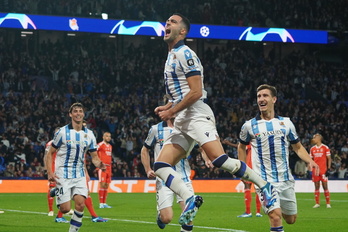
281	123
190	62
258	136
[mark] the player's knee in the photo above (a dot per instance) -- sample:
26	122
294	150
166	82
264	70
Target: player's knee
166	219
290	219
275	217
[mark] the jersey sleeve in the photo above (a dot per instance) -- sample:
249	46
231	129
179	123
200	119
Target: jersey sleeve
189	62
93	146
58	138
327	151
151	138
244	136
292	136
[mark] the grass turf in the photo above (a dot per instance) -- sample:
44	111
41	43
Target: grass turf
137	212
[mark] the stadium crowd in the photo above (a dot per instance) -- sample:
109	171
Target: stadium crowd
121	90
120	93
304	14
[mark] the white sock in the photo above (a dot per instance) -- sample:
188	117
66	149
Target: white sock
235	166
76	221
173	181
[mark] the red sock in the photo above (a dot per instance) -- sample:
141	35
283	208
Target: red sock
105	195
317	195
327	196
59	214
50	201
89	205
258	204
247	200
101	195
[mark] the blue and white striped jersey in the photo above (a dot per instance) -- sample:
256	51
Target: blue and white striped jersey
157	135
270	141
72	146
182	62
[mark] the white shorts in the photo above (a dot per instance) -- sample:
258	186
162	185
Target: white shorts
286	198
68	188
165	196
194	124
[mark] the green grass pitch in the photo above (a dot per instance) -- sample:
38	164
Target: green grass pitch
136	212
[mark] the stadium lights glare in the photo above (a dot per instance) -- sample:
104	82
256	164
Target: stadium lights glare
105	16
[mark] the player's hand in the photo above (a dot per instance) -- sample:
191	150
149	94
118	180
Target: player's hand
151	174
52	177
327	173
209	164
166	115
159	109
315	167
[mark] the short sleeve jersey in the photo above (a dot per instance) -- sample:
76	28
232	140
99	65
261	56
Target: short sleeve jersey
157	135
269	142
72	146
181	63
105	152
319	154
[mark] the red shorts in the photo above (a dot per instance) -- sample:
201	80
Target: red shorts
321	177
105	177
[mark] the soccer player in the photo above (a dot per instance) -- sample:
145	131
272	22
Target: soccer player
105	155
52	185
194	121
155	138
270	136
247	191
321	154
71	143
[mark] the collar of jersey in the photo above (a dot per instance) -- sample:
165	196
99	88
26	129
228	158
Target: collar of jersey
258	116
71	127
178	44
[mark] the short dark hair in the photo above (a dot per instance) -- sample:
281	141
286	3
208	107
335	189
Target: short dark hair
76	104
185	21
269	87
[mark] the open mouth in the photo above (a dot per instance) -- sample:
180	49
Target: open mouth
167	31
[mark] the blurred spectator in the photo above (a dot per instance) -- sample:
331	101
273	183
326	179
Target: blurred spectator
342	171
300	169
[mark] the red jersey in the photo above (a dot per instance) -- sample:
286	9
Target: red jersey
319	155
105	153
48	145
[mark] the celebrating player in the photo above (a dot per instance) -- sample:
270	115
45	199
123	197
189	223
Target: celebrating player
71	143
194	121
270	136
155	138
